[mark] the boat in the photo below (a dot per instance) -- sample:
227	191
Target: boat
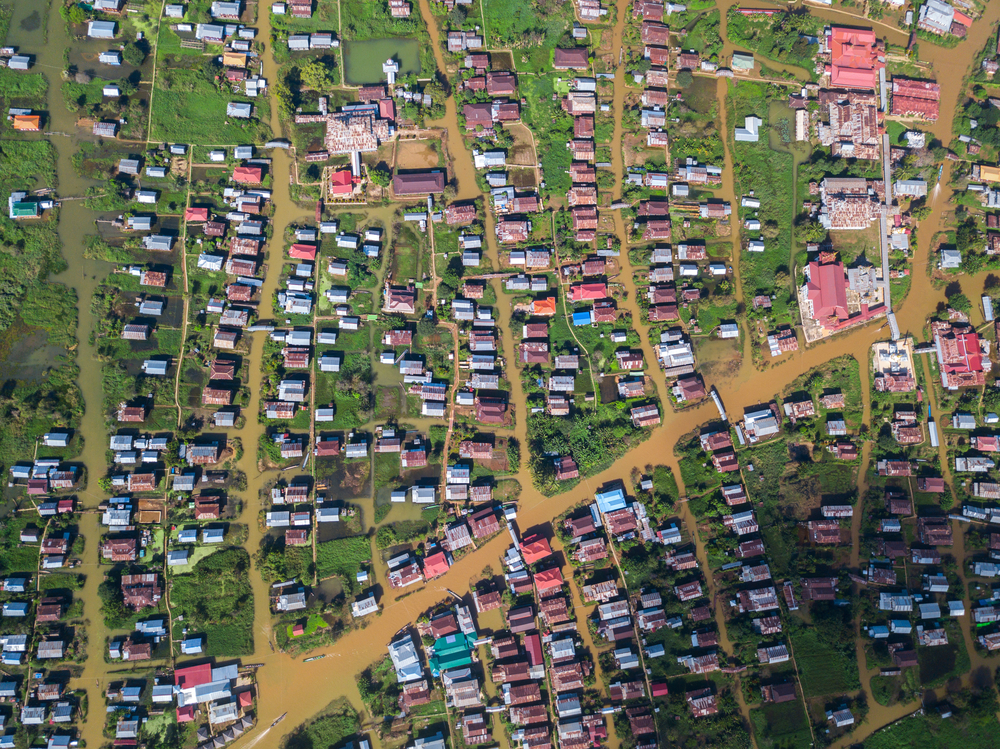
278	719
314	658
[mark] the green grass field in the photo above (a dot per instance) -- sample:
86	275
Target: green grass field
216	600
783	725
343	557
769	174
188	109
821	666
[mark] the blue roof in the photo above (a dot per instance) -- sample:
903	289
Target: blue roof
610	501
582	318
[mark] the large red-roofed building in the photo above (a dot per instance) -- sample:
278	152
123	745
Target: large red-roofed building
854	58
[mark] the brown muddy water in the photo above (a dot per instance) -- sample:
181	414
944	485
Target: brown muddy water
303	689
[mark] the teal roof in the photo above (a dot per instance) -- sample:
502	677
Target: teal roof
24	209
452	651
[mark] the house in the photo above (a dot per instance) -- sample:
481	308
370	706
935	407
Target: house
959	355
569	59
418	183
102	29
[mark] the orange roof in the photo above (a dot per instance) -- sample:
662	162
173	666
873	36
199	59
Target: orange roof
302	251
27	122
545	306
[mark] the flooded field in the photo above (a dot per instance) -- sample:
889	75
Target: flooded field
363	60
416	154
287	684
25	353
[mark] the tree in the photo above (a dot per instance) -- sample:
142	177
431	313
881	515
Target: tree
380	176
812	231
317	75
960	302
684	78
133	55
73	14
643	66
284	97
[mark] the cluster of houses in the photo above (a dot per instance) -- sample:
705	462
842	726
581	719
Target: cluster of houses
523	657
219	699
480	396
239	58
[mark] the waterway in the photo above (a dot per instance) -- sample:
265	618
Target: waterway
303	689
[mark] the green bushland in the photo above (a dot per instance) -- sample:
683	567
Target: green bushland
26	163
595	436
343	557
26	86
553	129
16	558
337	722
216	599
275	561
379	689
190	107
530	29
780	37
769	175
973	725
404	531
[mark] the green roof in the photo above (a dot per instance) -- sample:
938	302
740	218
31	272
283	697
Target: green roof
24	209
452	651
452	644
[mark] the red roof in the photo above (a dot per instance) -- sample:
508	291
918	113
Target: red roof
435	565
582	291
387	109
535	548
192	676
185	714
196	214
968	351
547	579
250	175
245	698
854	57
659	688
302	251
533	644
827	289
852	77
341	183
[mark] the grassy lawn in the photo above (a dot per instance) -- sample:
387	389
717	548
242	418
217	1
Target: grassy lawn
769	174
821	665
781	725
343	557
216	599
189	109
